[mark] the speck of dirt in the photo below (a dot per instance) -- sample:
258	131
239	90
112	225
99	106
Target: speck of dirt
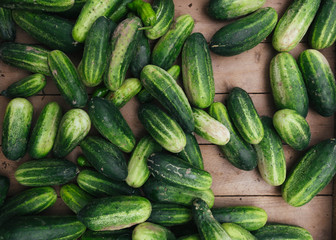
190	5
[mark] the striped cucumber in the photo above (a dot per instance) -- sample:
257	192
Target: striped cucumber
38	5
141	57
191	153
167	214
151	231
4	187
124	234
7	26
83	162
281	231
120	12
237	232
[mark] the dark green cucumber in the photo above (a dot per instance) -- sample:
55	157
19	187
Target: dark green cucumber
45	172
237	232
165	89
52	31
207	225
288	88
169	214
313	172
141	57
16	127
244	116
31	201
294	24
120	12
42	228
74	197
162	128
74	11
190	237
105	157
7	26
228	9
4	187
38	5
292	128
191	153
238	152
170	45
100	186
245	33
144	10
176	171
124	234
100	92
83	162
109	122
151	231
115	213
74	126
25	56
198	80
319	80
164	192
281	231
138	171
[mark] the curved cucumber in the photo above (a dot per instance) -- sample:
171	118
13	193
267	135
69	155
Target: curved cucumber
151	231
39	5
4	187
141	57
237	232
120	12
7	26
191	153
281	231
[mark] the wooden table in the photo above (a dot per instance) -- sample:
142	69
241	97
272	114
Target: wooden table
231	186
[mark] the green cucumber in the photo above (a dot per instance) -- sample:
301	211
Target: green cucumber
294	24
228	9
198	80
124	234
151	231
319	80
28	57
74	11
105	157
109	122
313	172
100	92
113	213
165	192
74	126
209	128
144	10
138	171
100	186
7	26
237	232
16	127
292	128
141	57
31	201
4	187
169	214
162	128
168	48
281	231
191	153
190	237
38	5
238	152
74	197
245	33
83	162
244	116
44	133
271	156
287	84
120	12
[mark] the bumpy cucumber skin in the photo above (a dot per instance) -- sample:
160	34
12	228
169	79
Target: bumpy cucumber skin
151	231
237	232
281	231
142	55
16	127
7	26
39	5
124	234
4	187
191	153
74	197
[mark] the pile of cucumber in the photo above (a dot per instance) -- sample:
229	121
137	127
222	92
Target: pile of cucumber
156	188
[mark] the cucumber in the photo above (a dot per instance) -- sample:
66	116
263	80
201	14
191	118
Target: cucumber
207	225
151	231
43	227
124	43
165	192
100	92
176	171
7	26
162	128
287	84
198	80
74	197
113	213
16	127
228	9
120	12
292	128
168	48
164	10
38	5
91	11
190	237
244	116
124	234
237	232
165	89
28	57
209	128
98	185
281	231
322	33
4	187
31	201
138	171
52	31
294	24
83	162
169	214
144	10
141	57
313	172
238	152
245	33
109	122
74	11
105	157
320	81
74	126
271	156
44	133
45	172
191	153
